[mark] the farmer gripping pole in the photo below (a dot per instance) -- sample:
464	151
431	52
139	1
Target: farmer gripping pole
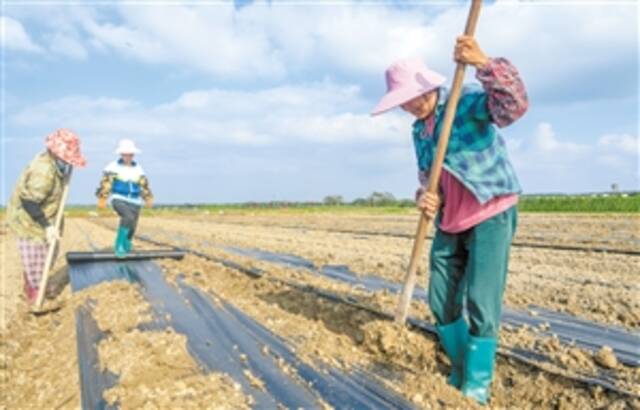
434	177
52	246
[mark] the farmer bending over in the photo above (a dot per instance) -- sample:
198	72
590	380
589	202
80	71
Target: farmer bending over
35	202
125	180
476	205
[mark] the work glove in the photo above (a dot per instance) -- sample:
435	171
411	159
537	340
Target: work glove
51	234
102	203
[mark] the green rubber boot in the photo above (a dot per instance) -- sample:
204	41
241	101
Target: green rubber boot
128	243
120	248
454	337
480	357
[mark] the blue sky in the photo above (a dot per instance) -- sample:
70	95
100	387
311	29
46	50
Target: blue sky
261	101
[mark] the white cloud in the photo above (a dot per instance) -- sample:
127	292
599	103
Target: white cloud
624	143
14	36
358	39
208	39
261	59
547	161
261	40
547	148
546	143
597	58
318	113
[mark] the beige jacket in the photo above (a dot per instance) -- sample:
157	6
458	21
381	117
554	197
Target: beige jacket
40	182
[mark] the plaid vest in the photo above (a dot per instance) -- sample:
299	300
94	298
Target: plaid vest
476	154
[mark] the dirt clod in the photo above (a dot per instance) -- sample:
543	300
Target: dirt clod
606	358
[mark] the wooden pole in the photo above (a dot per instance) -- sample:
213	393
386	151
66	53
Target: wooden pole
404	302
52	246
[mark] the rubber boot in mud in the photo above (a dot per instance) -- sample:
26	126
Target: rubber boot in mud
120	248
454	338
480	357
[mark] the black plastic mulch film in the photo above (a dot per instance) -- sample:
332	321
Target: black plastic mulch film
568	329
592	335
221	338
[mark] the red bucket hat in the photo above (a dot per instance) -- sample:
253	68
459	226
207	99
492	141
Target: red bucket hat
65	144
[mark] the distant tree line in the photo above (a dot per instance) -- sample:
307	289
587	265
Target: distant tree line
627	201
375	199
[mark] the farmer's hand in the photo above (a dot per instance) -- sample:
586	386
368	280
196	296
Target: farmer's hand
52	234
102	203
148	202
429	204
468	51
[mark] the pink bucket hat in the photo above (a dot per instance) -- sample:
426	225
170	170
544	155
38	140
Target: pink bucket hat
65	144
406	80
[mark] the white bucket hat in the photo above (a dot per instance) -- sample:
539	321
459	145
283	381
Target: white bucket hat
127	147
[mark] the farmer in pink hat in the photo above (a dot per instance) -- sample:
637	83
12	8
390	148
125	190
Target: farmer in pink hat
475	210
125	180
36	200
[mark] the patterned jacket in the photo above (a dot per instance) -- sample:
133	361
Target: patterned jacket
40	182
476	154
127	183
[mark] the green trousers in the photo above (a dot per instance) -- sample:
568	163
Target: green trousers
472	265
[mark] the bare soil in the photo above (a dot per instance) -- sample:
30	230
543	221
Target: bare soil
39	363
602	287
